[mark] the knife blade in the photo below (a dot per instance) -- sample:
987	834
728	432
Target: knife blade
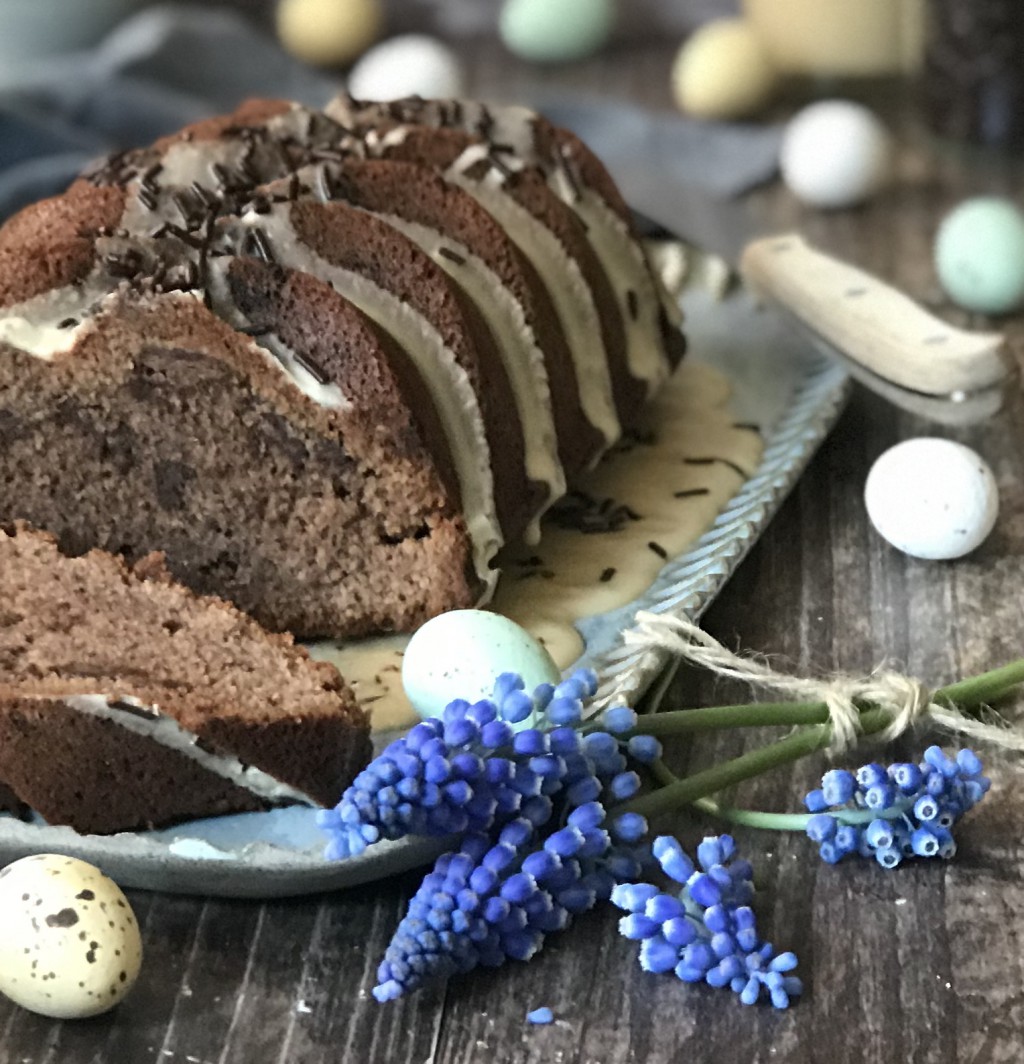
881	337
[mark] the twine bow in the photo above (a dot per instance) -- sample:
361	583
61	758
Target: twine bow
906	699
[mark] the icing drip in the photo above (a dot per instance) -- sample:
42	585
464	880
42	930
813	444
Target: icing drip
562	277
149	722
516	342
445	380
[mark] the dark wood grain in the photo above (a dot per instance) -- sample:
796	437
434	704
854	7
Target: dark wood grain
921	965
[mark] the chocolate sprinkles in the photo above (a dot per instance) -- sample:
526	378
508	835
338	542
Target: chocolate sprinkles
690	493
607	574
122	706
723	461
312	368
658	549
257	243
452	256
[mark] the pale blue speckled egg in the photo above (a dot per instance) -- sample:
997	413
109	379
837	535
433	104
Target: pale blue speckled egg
979	255
556	31
460	655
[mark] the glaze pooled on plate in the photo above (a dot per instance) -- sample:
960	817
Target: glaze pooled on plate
650	498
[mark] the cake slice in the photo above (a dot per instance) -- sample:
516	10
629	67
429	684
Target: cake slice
128	702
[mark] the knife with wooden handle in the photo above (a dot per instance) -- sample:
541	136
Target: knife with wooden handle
873	324
882	337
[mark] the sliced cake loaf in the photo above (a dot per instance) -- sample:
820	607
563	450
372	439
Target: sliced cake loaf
126	701
328	366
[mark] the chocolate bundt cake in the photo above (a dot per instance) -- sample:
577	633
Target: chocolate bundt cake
127	701
327	363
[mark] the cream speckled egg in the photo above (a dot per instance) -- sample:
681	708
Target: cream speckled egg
835	154
932	498
411	65
328	32
69	942
460	655
723	71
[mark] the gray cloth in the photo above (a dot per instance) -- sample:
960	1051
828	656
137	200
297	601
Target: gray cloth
170	65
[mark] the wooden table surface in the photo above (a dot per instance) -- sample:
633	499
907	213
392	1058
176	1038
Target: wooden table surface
923	964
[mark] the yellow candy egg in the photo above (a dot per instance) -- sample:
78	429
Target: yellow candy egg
69	941
328	32
723	72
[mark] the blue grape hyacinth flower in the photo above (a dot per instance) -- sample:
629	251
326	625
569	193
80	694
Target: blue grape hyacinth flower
470	771
495	899
890	814
707	932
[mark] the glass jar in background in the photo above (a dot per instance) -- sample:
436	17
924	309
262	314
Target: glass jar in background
973	86
841	42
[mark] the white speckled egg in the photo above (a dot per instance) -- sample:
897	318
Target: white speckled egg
979	255
835	154
69	941
328	32
723	71
556	31
932	498
410	65
460	655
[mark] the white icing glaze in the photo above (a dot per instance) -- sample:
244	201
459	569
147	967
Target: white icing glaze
33	326
165	730
561	275
445	380
517	346
628	270
690	418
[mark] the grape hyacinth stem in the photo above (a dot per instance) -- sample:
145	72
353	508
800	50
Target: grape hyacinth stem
755	818
710	781
965	695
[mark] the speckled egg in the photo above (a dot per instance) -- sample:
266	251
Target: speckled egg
932	498
460	655
835	154
411	65
69	941
328	32
979	255
556	31
723	71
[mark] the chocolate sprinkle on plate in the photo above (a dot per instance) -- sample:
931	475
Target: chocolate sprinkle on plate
690	493
607	574
723	461
658	549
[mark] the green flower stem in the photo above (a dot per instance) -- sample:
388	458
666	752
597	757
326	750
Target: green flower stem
966	694
753	818
710	781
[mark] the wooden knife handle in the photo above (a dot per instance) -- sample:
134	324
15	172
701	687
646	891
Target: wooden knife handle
871	323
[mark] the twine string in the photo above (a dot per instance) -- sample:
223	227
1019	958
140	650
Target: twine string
907	699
